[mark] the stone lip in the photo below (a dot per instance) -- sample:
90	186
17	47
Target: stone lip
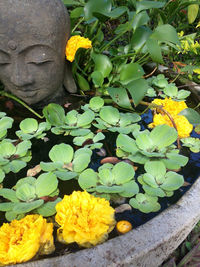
146	246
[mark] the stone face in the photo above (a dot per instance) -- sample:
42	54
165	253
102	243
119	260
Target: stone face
146	246
33	37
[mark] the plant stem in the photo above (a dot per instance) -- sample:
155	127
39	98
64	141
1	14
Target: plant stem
112	41
123	56
21	102
76	26
166	113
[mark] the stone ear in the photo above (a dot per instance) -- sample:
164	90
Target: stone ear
68	81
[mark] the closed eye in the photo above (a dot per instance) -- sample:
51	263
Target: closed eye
40	62
4	63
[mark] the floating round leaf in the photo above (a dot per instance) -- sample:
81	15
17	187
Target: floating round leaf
48	209
29	125
85	119
9	194
126	143
54	114
123	173
173	181
81	162
29	180
155	168
110	115
87	179
96	103
23	207
45	184
109	189
129	189
145	203
163	136
144	141
106	177
65	175
61	153
7	149
26	192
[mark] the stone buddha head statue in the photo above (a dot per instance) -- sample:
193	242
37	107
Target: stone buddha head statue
33	37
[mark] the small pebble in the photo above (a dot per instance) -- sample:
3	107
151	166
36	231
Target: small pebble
123	208
101	152
123	227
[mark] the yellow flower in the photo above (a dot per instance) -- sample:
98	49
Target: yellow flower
84	219
21	240
184	128
74	43
197	71
173	107
180	34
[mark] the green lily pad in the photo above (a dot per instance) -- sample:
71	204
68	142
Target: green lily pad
85	119
61	153
7	149
106	177
6	206
65	175
163	136
155	168
109	114
126	143
54	114
9	194
87	179
145	203
109	189
29	125
26	192
24	207
129	189
96	103
123	173
45	184
173	181
48	209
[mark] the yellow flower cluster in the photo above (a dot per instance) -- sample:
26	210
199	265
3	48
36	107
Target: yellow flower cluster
188	45
198	72
184	128
84	219
21	240
74	43
173	107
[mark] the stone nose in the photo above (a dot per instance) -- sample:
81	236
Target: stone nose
20	75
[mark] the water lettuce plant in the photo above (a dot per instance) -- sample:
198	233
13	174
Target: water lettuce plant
65	163
30	128
5	124
72	123
159	182
157	144
31	195
14	157
111	181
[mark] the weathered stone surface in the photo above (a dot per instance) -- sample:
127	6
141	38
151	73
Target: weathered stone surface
33	37
146	246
